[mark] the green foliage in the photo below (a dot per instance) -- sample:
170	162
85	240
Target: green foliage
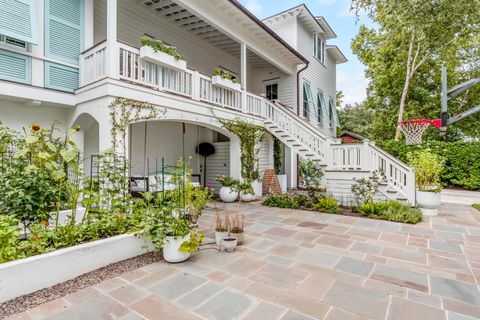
428	167
249	135
191	245
476	206
199	198
226	181
364	190
225	75
291	201
391	211
158	45
462	160
357	119
405	51
277	155
245	187
311	173
327	204
9	234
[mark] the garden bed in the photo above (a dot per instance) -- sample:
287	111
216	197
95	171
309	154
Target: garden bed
30	274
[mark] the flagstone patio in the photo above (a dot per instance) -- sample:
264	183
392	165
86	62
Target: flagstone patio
299	265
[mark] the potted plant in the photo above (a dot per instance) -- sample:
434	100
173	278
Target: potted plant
221	229
228	191
230	244
428	167
158	52
197	200
246	191
225	80
237	227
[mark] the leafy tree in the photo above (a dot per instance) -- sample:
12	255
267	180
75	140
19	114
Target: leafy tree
357	119
405	51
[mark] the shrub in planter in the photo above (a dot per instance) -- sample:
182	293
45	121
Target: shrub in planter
246	191
158	45
237	225
221	227
428	167
327	204
229	190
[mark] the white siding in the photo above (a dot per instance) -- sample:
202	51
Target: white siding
286	29
320	76
259	78
135	20
218	164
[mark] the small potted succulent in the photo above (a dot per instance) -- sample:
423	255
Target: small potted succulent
221	228
246	191
428	167
237	227
228	191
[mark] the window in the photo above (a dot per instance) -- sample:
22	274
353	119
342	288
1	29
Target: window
307	100
271	91
321	107
8	41
319	48
18	20
332	112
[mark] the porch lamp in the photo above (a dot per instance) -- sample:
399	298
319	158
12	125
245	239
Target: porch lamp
205	149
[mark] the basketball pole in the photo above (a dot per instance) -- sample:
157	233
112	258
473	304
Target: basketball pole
444	110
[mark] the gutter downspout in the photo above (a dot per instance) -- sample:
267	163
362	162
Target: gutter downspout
298	113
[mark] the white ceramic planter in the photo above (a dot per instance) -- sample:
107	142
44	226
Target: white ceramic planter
282	179
229	244
247	197
64	216
171	252
162	59
429	202
220	82
27	275
227	194
257	188
219	236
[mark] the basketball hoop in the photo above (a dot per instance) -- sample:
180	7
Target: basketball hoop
413	129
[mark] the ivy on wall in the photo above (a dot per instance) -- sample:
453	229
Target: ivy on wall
249	135
124	112
277	155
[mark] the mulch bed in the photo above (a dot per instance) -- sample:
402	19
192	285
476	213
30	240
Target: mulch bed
86	280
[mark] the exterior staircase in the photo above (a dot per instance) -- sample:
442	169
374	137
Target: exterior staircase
343	163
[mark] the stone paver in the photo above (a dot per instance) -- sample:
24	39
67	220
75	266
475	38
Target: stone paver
299	265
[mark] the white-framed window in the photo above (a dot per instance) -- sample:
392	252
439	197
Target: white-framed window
319	48
271	91
12	42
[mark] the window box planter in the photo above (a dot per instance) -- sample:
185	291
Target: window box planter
27	275
220	82
162	59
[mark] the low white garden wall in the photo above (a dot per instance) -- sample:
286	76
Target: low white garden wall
34	273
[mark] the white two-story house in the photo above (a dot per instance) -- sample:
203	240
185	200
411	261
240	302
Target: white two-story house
68	61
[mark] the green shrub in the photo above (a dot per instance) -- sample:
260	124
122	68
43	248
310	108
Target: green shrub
291	201
427	166
476	206
391	211
462	160
327	204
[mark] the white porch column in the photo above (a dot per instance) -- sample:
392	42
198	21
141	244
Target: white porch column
112	47
235	153
88	22
291	168
243	74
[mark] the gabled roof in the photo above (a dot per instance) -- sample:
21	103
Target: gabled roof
354	135
316	24
337	54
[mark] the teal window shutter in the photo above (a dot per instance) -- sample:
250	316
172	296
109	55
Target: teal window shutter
321	106
60	77
15	67
64	29
333	117
18	20
307	100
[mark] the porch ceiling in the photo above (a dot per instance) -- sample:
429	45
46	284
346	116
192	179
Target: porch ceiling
188	21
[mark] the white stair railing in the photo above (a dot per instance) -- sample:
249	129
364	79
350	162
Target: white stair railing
93	64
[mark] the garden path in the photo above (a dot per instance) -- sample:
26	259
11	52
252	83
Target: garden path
303	265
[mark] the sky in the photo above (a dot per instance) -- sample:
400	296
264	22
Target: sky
350	75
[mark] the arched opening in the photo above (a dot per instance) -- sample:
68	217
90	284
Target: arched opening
150	142
87	139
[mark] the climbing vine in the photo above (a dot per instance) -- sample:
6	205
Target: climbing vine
277	155
124	112
249	135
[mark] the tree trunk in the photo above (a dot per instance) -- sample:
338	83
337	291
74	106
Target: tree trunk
406	87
